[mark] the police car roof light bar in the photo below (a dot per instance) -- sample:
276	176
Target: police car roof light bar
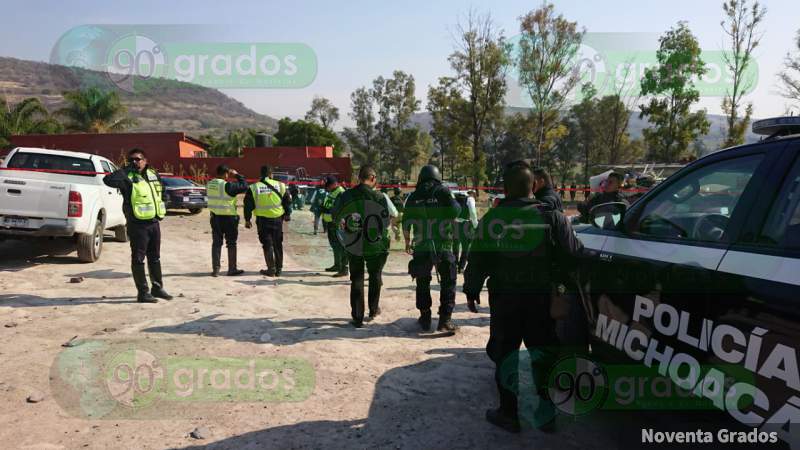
777	126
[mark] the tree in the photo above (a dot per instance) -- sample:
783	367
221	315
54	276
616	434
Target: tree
232	143
516	140
26	117
95	111
741	21
480	62
362	138
671	83
790	85
299	133
396	103
547	46
584	129
413	149
447	108
612	117
322	112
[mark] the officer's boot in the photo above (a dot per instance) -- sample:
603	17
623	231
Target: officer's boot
343	265
506	416
140	279
445	324
269	259
232	270
215	260
425	319
158	282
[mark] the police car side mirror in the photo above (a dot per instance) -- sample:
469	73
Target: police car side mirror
607	216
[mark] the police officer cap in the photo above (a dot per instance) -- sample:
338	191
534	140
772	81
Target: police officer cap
330	179
429	172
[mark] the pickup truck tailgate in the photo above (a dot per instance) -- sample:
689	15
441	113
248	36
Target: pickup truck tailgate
31	197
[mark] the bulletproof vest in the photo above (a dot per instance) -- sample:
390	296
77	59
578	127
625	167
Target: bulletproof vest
433	227
517	237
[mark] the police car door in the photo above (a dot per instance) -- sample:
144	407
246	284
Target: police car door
653	279
759	299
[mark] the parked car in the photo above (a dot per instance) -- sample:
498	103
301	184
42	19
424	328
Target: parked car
72	202
180	193
699	279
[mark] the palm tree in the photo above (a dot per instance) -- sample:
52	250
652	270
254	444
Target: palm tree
95	111
26	117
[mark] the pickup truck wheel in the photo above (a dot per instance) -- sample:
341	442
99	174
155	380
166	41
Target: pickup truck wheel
195	210
121	233
90	245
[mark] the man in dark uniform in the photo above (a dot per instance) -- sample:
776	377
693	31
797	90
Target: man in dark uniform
317	200
430	212
518	247
364	232
399	202
271	203
543	190
340	262
466	222
572	191
144	208
224	218
610	194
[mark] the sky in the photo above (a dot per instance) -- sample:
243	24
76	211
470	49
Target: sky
356	41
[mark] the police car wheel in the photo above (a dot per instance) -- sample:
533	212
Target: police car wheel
194	210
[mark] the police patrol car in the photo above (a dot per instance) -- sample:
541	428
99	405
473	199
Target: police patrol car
700	280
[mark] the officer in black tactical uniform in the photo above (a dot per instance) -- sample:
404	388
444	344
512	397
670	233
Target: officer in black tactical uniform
524	247
364	217
611	194
543	189
430	212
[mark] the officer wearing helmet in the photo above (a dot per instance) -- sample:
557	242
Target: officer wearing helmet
429	216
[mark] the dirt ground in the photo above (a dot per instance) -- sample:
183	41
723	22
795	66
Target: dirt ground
385	385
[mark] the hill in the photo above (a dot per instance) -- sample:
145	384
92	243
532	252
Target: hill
711	141
160	105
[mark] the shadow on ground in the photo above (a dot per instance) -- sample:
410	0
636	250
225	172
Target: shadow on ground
436	403
293	331
25	301
20	254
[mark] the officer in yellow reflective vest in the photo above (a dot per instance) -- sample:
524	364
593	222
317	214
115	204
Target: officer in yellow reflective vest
271	203
339	256
224	218
143	206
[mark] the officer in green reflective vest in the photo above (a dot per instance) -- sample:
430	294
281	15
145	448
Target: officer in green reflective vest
143	206
340	262
271	203
224	218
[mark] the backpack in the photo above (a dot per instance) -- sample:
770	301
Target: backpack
461	198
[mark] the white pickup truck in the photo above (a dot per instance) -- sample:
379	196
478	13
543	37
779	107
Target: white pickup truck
44	194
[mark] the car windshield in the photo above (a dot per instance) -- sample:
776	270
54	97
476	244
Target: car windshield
176	182
44	161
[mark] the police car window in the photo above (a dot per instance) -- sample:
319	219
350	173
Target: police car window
106	167
782	228
698	206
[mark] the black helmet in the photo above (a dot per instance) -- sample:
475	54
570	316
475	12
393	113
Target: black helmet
429	172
